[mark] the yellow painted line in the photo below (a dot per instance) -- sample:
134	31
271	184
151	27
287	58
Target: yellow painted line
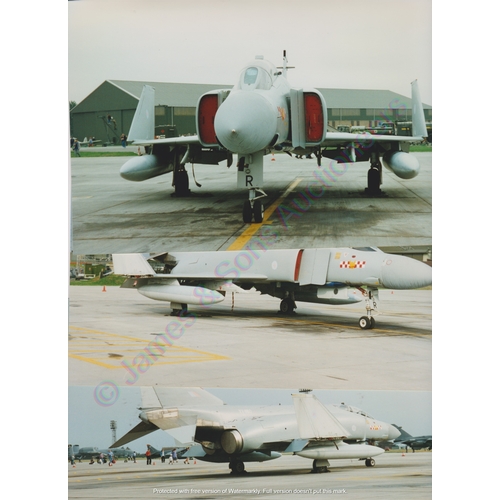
247	235
172	355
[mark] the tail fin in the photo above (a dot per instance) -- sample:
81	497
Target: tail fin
314	420
404	435
132	264
418	119
143	123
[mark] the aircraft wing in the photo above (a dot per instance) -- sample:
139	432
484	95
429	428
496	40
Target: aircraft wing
363	139
172	141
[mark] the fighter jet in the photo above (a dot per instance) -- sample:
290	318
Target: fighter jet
92	453
223	433
263	114
324	275
414	442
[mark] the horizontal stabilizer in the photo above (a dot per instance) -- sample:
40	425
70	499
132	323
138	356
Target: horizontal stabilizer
137	432
314	420
143	125
132	264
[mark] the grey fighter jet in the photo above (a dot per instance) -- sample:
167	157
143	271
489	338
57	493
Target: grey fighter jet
263	114
414	442
319	275
93	453
223	433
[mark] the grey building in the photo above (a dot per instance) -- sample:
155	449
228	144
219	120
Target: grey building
107	112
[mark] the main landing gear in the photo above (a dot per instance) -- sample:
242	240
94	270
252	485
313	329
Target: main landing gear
367	322
288	305
320	465
179	310
374	176
369	462
237	466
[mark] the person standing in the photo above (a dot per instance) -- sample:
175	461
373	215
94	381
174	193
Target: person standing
76	147
148	456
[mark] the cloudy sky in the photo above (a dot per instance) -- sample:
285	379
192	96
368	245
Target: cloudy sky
367	44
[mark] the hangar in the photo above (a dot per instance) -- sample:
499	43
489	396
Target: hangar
107	112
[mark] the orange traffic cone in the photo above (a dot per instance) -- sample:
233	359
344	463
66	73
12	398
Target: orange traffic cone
104	288
273	159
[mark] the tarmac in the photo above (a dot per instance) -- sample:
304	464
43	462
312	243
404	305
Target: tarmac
245	342
396	475
112	215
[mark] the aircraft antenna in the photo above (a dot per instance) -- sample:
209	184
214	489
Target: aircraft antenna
285	66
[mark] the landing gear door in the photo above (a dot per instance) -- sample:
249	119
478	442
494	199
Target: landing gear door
251	172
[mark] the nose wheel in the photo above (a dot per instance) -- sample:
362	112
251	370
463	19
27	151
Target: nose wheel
367	322
253	208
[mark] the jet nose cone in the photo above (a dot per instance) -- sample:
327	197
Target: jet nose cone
245	122
403	273
393	432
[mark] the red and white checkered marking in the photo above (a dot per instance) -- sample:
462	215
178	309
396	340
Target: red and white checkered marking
352	264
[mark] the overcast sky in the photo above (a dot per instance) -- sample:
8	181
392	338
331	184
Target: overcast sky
358	44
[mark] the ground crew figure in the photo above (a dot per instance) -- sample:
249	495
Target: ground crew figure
162	454
148	456
134	456
76	147
174	455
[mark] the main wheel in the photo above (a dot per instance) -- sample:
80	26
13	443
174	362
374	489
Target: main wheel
258	211
247	212
365	323
286	306
181	183
373	180
369	462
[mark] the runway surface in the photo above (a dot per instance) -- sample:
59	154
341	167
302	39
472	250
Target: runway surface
395	475
110	214
248	343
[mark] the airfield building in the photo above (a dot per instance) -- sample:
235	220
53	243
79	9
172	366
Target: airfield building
107	112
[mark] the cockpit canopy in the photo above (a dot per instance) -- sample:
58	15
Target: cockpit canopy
260	74
353	409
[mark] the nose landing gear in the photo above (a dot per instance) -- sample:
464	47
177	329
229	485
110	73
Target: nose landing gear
367	322
253	207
